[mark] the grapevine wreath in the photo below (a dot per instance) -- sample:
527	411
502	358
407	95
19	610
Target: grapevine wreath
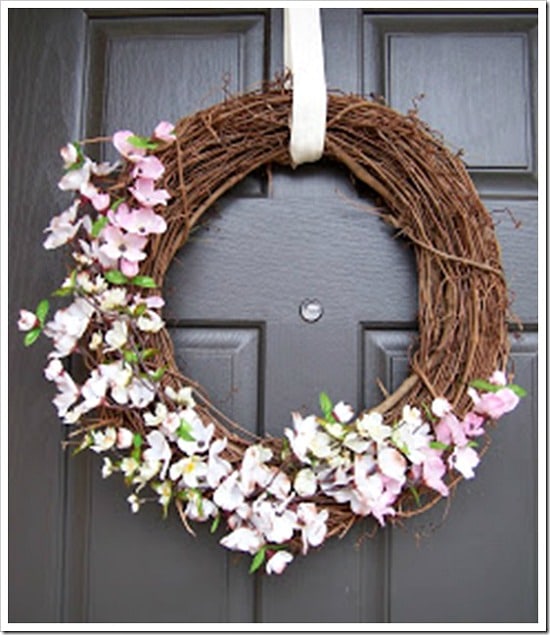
272	497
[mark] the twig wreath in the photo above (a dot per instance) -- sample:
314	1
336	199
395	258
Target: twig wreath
275	497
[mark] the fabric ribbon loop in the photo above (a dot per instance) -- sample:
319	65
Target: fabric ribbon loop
304	59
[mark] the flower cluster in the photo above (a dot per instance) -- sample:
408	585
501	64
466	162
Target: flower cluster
273	503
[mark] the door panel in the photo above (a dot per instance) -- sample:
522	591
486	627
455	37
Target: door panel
233	307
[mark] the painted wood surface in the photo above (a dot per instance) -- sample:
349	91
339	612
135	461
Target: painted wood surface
76	552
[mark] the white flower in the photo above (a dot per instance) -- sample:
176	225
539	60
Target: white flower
141	393
117	336
124	438
279	485
94	389
322	446
75	180
498	378
392	463
191	470
107	468
356	443
158	450
95	341
114	298
135	503
200	433
147	470
313	525
62	228
154	420
68	391
276	525
183	396
164	490
412	438
343	412
199	508
305	482
228	495
103	440
150	322
243	539
129	466
300	438
371	425
217	468
464	460
84	281
441	407
68	326
278	562
253	469
411	415
27	320
69	154
118	376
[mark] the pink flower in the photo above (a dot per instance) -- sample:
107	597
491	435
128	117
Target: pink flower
472	425
433	471
164	131
145	193
117	244
148	168
141	221
498	378
392	463
495	404
450	430
127	149
69	154
62	228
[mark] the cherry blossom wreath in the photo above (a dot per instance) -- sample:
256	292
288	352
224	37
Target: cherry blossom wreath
274	497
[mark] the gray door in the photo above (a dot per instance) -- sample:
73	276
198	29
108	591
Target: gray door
76	552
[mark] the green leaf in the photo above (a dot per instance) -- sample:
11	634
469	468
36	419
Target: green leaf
114	276
98	225
518	390
415	494
114	206
32	336
438	445
215	524
148	353
42	311
62	292
158	374
428	413
472	444
144	281
142	142
257	561
184	431
131	357
138	440
326	405
140	309
482	384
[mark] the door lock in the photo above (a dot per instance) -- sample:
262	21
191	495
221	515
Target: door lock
311	310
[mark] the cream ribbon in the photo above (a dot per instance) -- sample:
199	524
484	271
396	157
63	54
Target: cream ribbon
304	59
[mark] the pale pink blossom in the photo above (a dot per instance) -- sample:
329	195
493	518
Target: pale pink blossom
141	221
300	438
450	430
392	463
305	482
278	562
68	326
254	472
441	407
62	228
148	168
433	471
201	434
496	404
125	148
27	320
218	468
164	131
371	426
144	192
472	425
116	244
158	450
498	378
68	391
198	507
276	525
124	438
103	440
75	180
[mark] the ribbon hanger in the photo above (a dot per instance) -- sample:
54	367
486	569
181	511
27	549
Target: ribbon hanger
304	58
